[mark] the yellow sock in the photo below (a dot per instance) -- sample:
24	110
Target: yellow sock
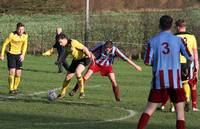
16	83
11	80
81	83
65	86
187	90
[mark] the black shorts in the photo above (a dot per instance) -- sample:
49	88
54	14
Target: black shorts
185	71
75	63
14	61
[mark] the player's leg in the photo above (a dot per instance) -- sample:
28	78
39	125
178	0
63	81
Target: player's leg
17	73
11	80
184	76
66	83
150	109
59	63
177	96
64	63
194	97
180	116
80	68
187	94
11	63
17	79
77	86
115	87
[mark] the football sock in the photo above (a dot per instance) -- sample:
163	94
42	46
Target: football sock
11	80
65	86
143	121
180	124
187	91
194	98
16	83
116	92
81	84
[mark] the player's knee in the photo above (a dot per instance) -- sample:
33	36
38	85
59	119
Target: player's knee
12	72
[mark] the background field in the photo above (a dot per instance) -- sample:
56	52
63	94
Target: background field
130	30
36	112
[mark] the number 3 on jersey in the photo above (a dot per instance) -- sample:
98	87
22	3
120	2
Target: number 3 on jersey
166	49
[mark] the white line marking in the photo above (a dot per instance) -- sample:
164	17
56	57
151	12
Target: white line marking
56	89
131	113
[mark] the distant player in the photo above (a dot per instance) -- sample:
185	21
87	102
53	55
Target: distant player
61	59
17	42
189	71
105	54
163	54
81	58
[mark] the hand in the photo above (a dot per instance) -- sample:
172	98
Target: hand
92	58
138	68
21	58
47	53
2	58
56	62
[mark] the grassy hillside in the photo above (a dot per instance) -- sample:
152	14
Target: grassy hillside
66	6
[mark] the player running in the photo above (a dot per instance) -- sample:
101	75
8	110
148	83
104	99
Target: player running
81	58
105	54
163	54
17	42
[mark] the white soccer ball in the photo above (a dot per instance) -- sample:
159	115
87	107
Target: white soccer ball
51	95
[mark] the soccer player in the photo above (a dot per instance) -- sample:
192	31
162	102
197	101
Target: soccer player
17	42
105	54
189	71
61	59
163	54
81	58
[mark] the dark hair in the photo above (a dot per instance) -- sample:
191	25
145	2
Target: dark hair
166	22
62	36
109	43
19	25
180	23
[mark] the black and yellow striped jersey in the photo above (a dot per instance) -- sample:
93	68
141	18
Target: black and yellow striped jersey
191	42
17	43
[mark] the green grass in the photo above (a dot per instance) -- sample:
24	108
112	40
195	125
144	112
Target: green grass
36	112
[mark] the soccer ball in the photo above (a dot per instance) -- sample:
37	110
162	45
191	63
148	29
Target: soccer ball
51	95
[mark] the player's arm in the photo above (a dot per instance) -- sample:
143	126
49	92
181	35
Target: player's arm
5	43
185	52
24	48
195	53
48	52
123	57
148	56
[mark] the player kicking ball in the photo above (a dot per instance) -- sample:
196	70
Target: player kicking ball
81	58
105	54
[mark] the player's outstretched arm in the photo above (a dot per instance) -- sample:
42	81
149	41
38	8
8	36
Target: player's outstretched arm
137	67
48	52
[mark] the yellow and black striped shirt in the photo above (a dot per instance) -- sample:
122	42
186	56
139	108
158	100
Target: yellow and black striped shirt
17	44
191	42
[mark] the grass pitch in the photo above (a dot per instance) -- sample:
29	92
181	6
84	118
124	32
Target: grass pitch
32	110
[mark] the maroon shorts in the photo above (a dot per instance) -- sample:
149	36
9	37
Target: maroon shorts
104	70
159	96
